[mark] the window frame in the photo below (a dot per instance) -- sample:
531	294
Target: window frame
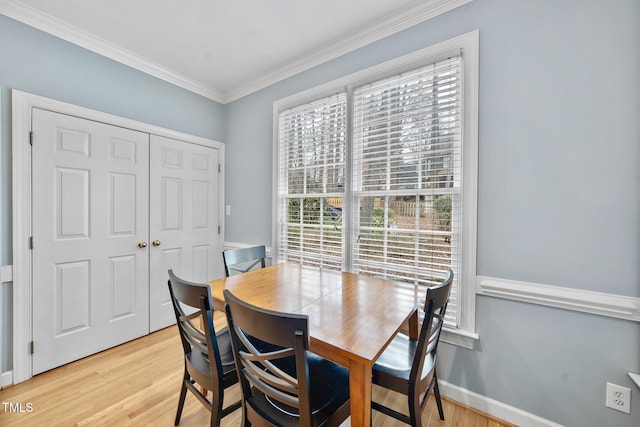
465	334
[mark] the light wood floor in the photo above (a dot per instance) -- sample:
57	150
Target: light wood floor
138	384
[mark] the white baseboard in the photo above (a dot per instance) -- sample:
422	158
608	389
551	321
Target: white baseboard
493	407
6	378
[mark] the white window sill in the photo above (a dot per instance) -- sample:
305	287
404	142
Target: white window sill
459	337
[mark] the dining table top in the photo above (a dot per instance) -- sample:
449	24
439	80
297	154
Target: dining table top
350	315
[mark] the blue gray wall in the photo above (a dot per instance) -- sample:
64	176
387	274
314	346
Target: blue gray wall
559	192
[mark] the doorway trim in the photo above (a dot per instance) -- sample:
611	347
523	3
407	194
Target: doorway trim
22	106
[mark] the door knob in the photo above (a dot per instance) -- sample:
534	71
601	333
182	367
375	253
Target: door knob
142	244
156	243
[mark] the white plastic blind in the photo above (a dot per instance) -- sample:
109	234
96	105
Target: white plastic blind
407	165
406	186
312	144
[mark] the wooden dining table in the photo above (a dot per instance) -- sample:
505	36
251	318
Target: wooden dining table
352	317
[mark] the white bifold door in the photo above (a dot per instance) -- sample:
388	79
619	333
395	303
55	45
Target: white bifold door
113	210
183	219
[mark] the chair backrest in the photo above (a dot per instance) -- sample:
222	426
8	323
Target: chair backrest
282	375
435	307
193	308
236	259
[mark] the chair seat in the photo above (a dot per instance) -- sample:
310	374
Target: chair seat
393	367
329	391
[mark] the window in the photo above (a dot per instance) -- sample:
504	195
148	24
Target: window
377	174
311	182
407	151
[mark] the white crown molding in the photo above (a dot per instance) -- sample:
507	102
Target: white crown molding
63	30
384	28
610	305
49	24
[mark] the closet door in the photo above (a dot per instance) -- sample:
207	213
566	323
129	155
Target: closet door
183	221
90	225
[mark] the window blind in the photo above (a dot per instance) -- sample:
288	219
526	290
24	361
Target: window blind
407	165
312	144
406	179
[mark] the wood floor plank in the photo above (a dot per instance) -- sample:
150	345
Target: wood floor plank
138	383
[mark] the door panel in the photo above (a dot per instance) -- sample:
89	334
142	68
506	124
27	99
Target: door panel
90	211
72	203
72	297
122	284
122	199
183	219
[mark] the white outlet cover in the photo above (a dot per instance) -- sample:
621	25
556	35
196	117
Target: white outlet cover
618	398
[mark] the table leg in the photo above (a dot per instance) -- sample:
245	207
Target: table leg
414	326
360	394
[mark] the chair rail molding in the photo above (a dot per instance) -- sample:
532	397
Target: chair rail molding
603	304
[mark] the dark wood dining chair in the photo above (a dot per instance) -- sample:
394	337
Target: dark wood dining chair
289	386
244	259
208	356
408	366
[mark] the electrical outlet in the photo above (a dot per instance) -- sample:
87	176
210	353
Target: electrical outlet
618	398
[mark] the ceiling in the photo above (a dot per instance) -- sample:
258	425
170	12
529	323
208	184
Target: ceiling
223	49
